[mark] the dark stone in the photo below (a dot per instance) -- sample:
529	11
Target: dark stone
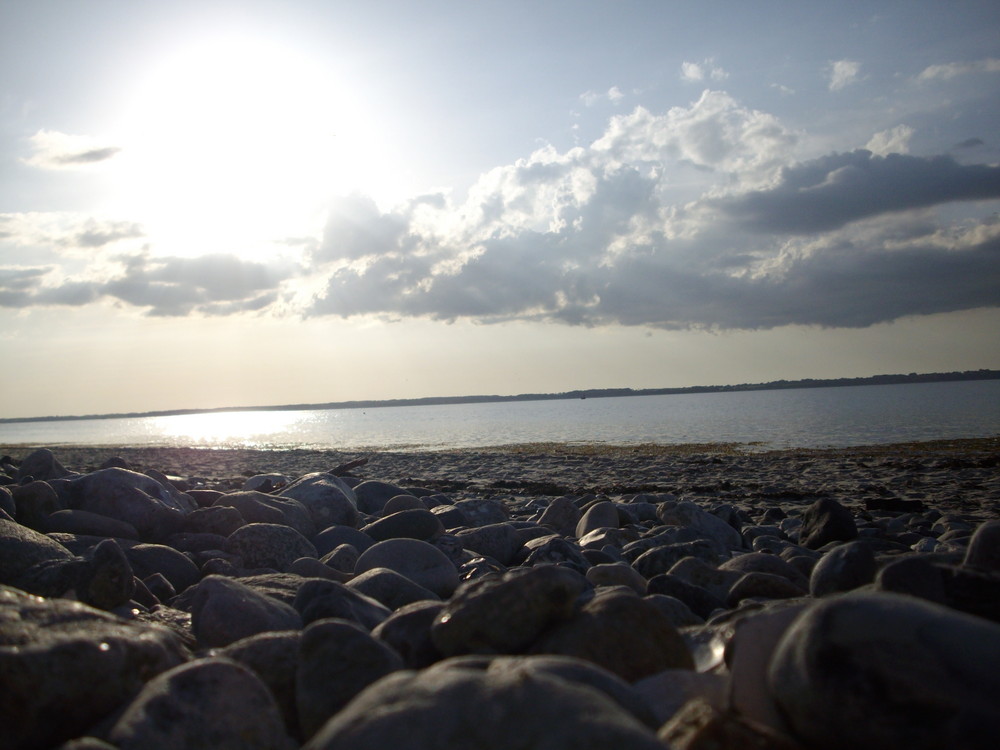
876	670
65	666
372	495
390	588
320	599
220	519
416	523
41	465
845	567
408	632
328	499
176	567
621	633
661	559
35	502
506	613
702	602
984	547
224	610
203	705
268	545
497	540
329	539
826	521
91	524
420	561
258	507
469	708
337	660
274	658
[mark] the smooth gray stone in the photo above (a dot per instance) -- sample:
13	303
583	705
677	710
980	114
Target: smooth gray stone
876	670
35	502
175	566
701	601
330	538
984	547
224	610
154	510
844	568
268	545
688	515
320	599
679	613
483	511
61	658
81	522
621	633
207	704
561	515
337	660
390	588
413	523
763	562
408	632
41	464
329	500
274	658
372	495
661	559
500	541
259	507
826	521
506	613
600	515
397	503
421	562
216	519
469	709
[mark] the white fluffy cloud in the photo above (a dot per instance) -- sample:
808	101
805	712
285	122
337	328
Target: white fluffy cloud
892	141
705	70
842	73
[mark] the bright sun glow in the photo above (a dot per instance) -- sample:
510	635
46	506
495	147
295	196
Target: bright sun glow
252	429
232	142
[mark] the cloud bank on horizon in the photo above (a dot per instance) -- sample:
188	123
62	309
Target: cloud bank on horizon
707	214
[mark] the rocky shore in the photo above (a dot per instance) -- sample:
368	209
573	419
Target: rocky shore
559	596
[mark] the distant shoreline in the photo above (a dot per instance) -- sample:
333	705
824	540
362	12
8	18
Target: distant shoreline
898	379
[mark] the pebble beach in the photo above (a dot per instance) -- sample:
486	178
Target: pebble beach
556	595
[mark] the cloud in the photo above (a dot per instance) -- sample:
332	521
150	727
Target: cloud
947	71
970	143
699	216
694	72
843	73
613	95
832	191
593	236
892	141
54	150
170	286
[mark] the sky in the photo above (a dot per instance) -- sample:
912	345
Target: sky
211	203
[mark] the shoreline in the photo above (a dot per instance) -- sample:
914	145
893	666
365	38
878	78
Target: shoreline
954	475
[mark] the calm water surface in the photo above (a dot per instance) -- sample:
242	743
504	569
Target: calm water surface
814	417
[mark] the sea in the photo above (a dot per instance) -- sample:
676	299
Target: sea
831	417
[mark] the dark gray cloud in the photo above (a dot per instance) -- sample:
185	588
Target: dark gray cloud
209	285
830	192
970	143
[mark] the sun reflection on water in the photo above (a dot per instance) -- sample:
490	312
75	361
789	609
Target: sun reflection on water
249	429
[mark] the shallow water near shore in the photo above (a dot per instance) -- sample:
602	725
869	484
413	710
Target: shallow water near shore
801	418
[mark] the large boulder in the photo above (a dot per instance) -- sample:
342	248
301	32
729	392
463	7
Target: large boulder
622	633
258	507
506	613
224	610
329	500
337	660
155	511
207	704
268	545
875	670
65	665
468	709
420	561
